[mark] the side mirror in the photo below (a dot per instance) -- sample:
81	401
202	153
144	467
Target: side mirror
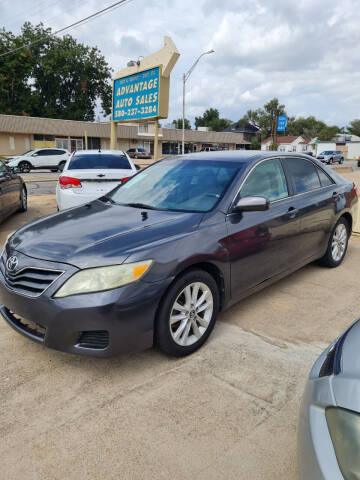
137	166
251	204
34	155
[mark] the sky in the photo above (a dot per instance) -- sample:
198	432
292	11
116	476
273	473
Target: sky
305	52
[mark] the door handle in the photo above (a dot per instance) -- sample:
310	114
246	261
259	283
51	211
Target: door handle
292	212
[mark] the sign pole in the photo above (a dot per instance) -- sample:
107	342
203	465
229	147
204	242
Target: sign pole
183	118
156	140
86	140
113	136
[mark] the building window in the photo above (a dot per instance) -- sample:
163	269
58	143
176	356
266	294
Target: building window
143	128
12	143
27	144
62	143
294	148
282	148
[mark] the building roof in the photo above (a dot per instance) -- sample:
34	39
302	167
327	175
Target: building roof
281	139
74	128
238	128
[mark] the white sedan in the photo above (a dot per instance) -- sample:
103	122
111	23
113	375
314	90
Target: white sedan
90	174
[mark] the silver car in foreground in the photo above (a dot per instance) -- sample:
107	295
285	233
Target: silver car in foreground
329	427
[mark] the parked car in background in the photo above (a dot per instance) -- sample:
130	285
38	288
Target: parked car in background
158	257
209	149
331	156
13	193
89	174
329	425
41	158
138	153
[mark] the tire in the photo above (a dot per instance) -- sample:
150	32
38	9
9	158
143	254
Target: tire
331	161
23	200
341	161
339	237
61	166
25	167
196	283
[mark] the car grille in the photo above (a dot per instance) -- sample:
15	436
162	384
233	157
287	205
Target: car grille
98	339
30	281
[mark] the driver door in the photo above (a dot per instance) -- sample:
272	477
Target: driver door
262	244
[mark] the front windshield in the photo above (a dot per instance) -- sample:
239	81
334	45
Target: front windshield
328	152
182	185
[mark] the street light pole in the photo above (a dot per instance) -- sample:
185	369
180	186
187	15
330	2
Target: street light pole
185	78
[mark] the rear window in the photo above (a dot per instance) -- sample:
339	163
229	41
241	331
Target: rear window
98	161
141	150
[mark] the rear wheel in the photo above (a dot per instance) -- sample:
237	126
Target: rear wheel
337	245
187	314
61	166
23	200
25	167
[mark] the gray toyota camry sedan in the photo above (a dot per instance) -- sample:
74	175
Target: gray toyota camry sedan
156	259
329	427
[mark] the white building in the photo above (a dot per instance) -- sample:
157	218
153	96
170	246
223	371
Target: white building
289	143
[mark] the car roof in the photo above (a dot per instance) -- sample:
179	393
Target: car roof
243	156
100	152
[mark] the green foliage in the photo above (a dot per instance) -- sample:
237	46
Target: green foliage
354	127
310	127
255	143
265	118
273	146
178	123
55	77
327	133
211	118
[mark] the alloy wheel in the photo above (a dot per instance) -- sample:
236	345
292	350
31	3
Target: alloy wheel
339	241
191	314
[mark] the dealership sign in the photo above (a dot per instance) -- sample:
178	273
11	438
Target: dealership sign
281	123
136	96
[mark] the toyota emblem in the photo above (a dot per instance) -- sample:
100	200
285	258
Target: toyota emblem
12	263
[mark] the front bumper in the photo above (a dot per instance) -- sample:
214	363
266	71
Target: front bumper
316	455
98	324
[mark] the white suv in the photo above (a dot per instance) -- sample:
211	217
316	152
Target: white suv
45	158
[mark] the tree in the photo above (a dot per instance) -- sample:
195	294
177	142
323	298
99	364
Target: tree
328	133
54	77
211	118
178	124
265	119
354	127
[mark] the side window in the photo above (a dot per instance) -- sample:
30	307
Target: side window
267	180
325	180
56	152
2	167
42	153
303	174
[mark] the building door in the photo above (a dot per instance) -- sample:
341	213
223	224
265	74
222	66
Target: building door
76	144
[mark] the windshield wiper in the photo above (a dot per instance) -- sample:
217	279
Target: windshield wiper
105	197
141	205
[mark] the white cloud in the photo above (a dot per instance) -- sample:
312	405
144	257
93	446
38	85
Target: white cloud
304	52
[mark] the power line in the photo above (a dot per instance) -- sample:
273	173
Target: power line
73	25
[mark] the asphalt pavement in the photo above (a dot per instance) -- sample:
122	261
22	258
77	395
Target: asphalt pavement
41	182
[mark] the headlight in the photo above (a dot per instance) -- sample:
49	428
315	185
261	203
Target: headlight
344	427
103	278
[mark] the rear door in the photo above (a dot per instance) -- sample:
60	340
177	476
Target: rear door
41	158
55	157
315	201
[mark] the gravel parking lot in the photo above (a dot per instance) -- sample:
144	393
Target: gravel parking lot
227	412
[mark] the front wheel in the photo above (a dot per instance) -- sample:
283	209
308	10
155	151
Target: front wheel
25	167
187	314
337	245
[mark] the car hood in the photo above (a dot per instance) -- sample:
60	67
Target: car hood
99	233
